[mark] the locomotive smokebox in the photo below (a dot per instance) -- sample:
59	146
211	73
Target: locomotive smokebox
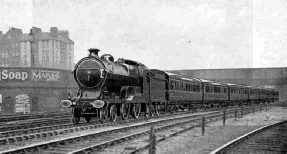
94	52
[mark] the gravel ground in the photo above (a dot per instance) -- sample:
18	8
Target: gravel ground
216	134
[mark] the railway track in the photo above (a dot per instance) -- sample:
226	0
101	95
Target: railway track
41	128
32	123
91	140
59	127
9	118
267	139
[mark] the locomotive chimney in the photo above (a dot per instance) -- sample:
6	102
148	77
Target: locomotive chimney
94	52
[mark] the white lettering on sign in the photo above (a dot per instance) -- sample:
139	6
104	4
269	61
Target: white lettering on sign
45	75
12	74
22	104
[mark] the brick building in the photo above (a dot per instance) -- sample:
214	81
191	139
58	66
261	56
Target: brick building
52	49
30	90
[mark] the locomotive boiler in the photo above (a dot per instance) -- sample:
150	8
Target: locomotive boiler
103	84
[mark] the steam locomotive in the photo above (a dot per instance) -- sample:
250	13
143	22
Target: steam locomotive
125	88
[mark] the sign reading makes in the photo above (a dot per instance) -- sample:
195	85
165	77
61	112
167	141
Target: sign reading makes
45	75
13	75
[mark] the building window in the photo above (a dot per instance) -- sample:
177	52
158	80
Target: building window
25	45
17	53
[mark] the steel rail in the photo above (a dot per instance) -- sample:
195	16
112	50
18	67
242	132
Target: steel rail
41	132
25	133
9	118
59	144
238	141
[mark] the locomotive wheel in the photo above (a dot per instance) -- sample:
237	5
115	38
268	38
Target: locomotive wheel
88	118
147	110
170	108
181	107
103	114
156	109
125	111
136	107
152	110
76	115
165	108
113	113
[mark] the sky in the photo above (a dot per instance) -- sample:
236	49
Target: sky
164	34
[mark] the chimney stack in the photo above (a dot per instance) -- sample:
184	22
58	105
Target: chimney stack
54	32
94	52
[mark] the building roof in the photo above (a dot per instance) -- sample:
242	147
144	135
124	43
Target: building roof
24	37
38	35
48	36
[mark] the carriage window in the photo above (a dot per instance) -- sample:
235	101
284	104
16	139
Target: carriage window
193	88
172	84
215	89
183	86
175	85
225	90
207	89
196	88
211	90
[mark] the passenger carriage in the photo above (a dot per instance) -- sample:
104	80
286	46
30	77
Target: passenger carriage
254	95
238	94
184	91
215	93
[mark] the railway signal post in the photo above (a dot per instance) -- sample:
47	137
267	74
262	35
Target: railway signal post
224	116
203	125
260	108
152	141
235	114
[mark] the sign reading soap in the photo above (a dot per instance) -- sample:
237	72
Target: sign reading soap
45	75
13	74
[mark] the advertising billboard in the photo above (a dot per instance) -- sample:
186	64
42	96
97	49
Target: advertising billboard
28	74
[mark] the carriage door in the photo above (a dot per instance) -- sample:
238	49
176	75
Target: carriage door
35	104
8	106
